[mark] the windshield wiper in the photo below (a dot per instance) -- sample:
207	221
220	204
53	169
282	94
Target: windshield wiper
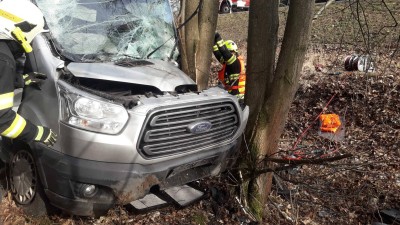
173	50
128	56
178	28
156	49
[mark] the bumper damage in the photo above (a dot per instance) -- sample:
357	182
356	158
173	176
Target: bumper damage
65	178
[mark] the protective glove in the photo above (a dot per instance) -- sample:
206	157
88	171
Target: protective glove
217	38
46	136
35	79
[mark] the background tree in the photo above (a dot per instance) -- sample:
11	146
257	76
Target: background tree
197	38
270	89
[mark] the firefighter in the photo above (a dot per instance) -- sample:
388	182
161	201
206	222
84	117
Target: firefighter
233	74
20	22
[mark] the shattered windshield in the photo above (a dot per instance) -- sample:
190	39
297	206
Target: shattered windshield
108	30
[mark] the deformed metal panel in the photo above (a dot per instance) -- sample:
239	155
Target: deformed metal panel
148	201
184	195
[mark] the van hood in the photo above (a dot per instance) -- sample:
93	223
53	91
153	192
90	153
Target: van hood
160	74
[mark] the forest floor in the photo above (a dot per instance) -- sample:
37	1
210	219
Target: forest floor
348	191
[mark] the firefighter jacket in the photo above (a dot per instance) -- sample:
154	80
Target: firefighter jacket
12	125
233	73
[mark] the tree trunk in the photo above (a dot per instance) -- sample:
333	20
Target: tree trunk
207	25
272	107
181	33
191	37
197	37
262	43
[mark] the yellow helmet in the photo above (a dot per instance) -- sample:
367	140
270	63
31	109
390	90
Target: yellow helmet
20	20
231	46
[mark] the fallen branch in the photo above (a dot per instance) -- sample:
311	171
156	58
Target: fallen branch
253	173
308	161
284	214
245	209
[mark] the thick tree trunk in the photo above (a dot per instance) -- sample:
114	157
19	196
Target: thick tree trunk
272	111
181	33
262	42
207	25
197	38
288	70
191	37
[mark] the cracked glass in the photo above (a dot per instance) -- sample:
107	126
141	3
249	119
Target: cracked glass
108	30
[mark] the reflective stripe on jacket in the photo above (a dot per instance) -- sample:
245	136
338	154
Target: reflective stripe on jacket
12	125
231	78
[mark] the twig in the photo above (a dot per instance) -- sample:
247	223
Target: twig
245	210
284	214
305	131
308	161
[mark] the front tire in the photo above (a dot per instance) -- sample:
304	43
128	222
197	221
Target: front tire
225	8
26	188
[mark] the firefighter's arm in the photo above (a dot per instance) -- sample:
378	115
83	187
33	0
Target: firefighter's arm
234	73
12	125
218	54
228	57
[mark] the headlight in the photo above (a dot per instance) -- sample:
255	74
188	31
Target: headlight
90	112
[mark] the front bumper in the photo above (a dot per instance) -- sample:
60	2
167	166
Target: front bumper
62	175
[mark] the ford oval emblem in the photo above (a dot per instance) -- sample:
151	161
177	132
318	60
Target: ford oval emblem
199	127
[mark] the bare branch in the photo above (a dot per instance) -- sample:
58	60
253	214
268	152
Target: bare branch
308	161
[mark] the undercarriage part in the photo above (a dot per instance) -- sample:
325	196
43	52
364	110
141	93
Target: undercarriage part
181	196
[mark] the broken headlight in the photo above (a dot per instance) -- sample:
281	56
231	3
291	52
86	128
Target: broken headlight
86	111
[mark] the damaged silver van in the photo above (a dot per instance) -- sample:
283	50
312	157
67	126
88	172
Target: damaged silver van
127	119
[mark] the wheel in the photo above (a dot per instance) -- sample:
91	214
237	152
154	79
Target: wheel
26	188
225	8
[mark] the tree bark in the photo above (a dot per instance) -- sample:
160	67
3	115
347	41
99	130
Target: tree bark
181	33
207	25
271	106
191	37
262	43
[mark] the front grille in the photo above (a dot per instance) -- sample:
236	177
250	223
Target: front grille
167	129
